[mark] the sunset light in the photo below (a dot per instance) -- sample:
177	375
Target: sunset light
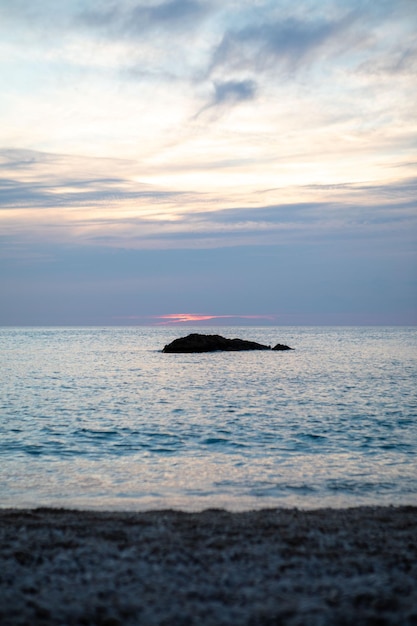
208	156
187	318
208	312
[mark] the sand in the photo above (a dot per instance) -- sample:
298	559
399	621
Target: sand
261	568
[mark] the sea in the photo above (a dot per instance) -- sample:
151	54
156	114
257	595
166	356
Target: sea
101	418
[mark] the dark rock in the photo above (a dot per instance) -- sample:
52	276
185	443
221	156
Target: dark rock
213	343
281	346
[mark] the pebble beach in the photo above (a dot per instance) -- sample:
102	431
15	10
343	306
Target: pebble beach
212	568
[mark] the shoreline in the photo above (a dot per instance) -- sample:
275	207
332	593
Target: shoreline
210	568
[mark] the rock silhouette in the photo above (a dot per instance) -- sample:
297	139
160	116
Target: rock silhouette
213	343
281	346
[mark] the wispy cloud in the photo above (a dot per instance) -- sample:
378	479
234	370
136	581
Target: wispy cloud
114	18
72	201
286	42
196	318
232	91
126	19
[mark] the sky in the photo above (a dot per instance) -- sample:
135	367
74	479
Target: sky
208	162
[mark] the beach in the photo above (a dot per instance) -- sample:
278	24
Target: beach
255	568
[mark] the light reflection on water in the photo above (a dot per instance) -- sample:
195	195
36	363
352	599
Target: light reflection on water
101	418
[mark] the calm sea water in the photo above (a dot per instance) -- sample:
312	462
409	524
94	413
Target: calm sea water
101	418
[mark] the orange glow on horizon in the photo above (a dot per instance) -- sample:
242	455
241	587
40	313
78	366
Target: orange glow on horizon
184	318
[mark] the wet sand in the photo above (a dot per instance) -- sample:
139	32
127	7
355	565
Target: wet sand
261	568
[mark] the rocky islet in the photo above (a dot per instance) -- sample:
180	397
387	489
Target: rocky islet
196	342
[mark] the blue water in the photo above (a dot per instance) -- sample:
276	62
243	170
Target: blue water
101	418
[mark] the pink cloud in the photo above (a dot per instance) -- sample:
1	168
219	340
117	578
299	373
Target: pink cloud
185	318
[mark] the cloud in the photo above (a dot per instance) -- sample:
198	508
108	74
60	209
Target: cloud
230	93
286	42
45	181
68	193
234	91
193	318
119	213
125	20
398	62
287	39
